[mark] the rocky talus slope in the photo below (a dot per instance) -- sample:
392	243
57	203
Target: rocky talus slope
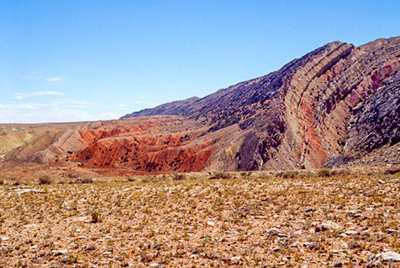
334	106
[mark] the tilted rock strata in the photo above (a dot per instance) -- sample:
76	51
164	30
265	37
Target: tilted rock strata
330	107
299	115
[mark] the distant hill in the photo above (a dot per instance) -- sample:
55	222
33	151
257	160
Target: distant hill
337	105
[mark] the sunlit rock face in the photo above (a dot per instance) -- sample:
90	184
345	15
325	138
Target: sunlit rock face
331	107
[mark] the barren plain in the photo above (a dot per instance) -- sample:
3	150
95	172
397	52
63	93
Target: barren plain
65	216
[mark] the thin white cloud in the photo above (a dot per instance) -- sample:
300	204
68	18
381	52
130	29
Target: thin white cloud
73	103
53	79
18	106
20	96
41	93
33	77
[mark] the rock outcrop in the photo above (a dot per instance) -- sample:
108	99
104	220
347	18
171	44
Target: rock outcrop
330	107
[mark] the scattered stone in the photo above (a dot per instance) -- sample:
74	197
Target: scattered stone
310	245
24	191
329	225
354	245
60	252
338	264
388	256
276	232
197	250
351	232
91	247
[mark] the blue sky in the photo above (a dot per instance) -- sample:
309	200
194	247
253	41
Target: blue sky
63	61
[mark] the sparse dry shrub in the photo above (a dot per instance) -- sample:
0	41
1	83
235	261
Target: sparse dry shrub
1	181
81	181
305	174
146	179
84	180
71	175
97	217
341	172
289	174
391	171
221	176
179	177
45	179
324	173
130	179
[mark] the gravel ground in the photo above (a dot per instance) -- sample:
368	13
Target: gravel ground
291	219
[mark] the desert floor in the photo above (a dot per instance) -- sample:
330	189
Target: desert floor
64	217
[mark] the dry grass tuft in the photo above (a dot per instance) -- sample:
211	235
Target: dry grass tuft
45	179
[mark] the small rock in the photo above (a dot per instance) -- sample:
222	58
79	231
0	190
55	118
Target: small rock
389	256
5	238
337	264
351	232
60	252
373	264
197	250
381	181
24	191
276	232
310	245
90	248
354	245
210	223
329	225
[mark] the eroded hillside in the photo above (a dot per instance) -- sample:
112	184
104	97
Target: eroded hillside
334	106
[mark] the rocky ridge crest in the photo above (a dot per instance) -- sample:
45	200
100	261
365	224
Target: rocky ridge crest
330	107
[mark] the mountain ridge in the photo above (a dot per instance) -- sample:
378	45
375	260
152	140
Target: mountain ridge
331	107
